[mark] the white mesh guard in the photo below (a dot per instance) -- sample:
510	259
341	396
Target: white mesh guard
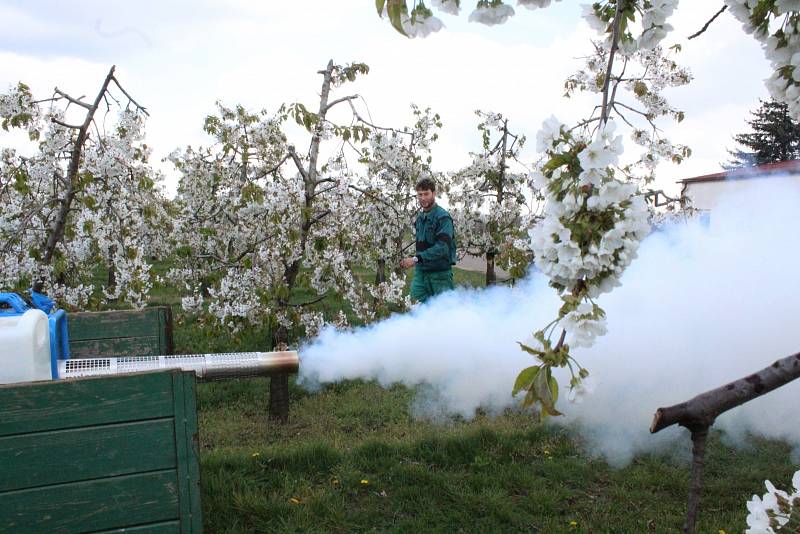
206	366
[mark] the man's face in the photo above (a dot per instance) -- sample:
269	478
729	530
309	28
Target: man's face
426	198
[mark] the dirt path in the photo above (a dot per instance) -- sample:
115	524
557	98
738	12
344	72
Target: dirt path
478	264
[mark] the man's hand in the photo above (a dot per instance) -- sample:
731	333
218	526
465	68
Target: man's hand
406	263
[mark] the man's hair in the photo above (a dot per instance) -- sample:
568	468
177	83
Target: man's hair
426	184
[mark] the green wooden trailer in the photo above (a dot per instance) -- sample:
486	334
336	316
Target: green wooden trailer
146	332
107	454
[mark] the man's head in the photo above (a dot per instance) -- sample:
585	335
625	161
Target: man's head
426	193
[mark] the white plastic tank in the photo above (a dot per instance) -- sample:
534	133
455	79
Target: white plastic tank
24	347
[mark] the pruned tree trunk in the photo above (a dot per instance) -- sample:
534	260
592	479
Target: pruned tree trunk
279	384
380	272
699	413
491	277
279	388
112	270
112	277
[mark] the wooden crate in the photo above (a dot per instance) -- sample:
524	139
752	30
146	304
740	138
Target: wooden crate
100	455
144	332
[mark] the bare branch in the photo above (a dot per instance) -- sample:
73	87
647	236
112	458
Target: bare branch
611	53
707	24
298	163
302	304
76	101
124	92
275	168
703	409
339	101
323	191
368	194
655	194
371	125
699	413
65	125
319	217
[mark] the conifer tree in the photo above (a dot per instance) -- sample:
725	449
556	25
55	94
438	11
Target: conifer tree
775	137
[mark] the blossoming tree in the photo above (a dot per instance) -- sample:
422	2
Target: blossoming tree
395	160
490	206
86	196
266	231
775	24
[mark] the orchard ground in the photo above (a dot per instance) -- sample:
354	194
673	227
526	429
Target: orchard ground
354	459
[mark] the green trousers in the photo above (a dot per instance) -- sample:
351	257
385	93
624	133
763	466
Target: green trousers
427	284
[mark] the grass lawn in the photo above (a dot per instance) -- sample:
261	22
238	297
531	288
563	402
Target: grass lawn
353	459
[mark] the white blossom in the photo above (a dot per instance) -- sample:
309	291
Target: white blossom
548	134
534	4
450	7
420	26
590	16
769	513
492	14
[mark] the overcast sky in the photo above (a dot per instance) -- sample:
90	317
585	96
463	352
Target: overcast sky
178	57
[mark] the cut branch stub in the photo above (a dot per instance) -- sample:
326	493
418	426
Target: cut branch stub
702	410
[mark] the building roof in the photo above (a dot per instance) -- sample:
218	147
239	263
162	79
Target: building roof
758	171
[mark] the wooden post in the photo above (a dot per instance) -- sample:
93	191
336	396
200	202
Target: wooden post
279	398
491	277
279	384
699	413
699	436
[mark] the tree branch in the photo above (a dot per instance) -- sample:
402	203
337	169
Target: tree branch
302	304
703	409
319	192
77	101
611	53
367	193
298	163
59	225
707	24
276	167
371	125
319	217
65	125
339	101
124	92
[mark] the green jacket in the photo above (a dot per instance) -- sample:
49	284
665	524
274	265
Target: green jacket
436	243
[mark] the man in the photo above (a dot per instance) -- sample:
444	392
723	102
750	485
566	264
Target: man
436	246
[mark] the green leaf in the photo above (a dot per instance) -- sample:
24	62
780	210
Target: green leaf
530	350
542	387
554	388
396	9
379	6
525	379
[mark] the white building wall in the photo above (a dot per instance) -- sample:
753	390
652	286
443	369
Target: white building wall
706	195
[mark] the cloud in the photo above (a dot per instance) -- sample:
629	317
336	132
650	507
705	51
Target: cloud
179	57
